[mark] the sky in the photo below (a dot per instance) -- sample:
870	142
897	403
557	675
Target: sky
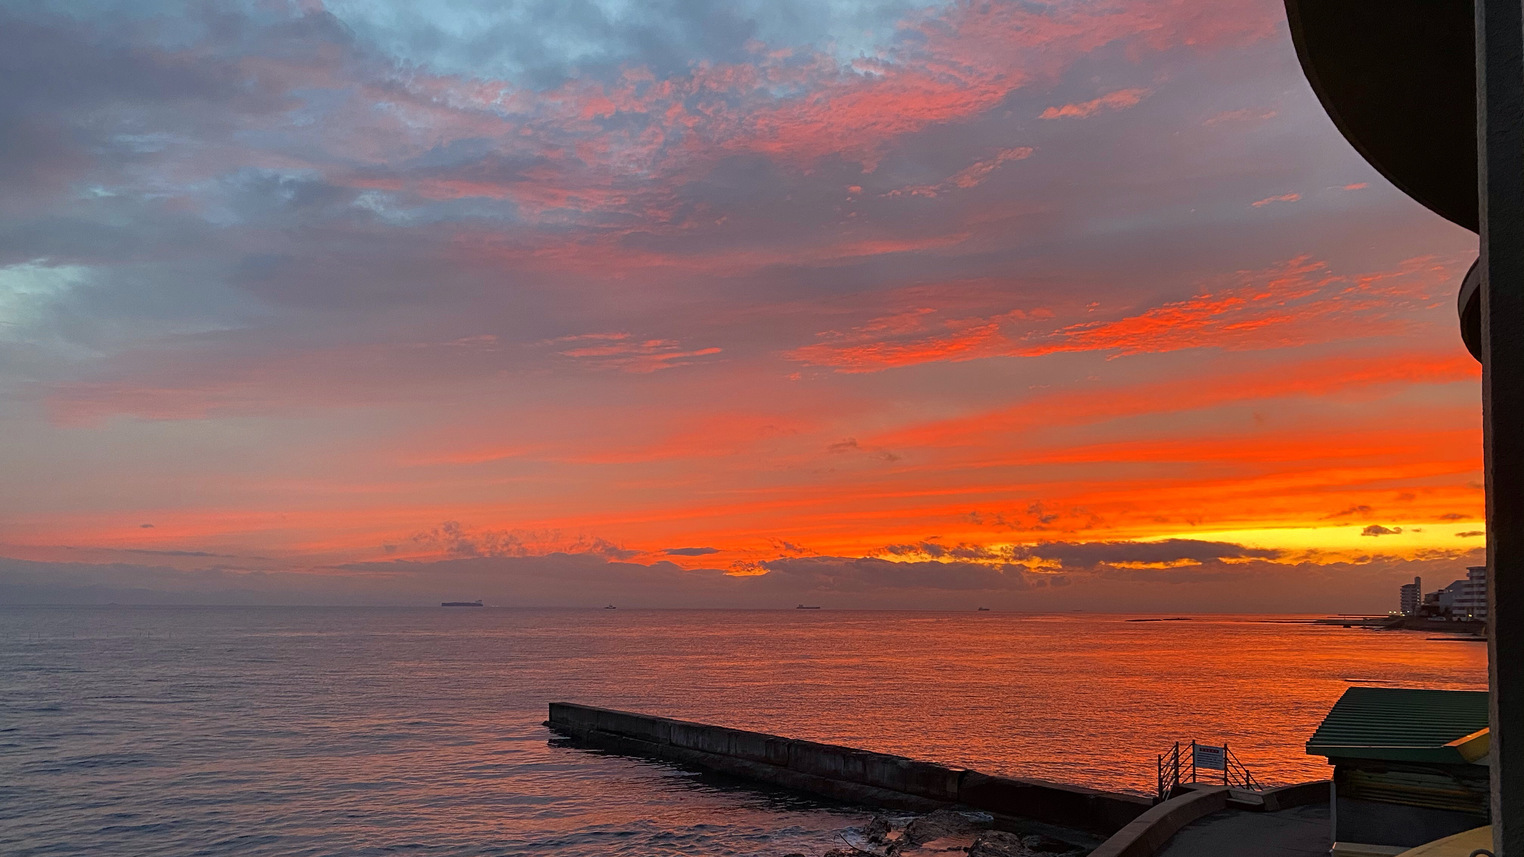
1081	304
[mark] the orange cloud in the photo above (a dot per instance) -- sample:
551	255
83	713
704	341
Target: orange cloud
1118	100
1308	378
965	342
1285	197
1297	302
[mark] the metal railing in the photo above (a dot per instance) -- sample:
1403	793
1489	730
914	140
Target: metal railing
1181	765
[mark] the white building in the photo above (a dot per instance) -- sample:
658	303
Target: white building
1472	600
1412	597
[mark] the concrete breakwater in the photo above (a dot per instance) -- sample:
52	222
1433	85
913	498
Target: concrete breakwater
844	773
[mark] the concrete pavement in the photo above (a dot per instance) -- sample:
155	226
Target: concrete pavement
1302	831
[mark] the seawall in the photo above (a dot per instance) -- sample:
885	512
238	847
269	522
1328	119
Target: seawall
844	773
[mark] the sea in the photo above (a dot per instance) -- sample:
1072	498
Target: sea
377	731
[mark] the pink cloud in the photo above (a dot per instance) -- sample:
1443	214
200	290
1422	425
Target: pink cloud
621	352
1298	302
1243	115
1285	197
964	343
970	176
1118	100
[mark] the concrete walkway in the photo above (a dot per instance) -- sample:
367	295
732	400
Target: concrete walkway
1301	831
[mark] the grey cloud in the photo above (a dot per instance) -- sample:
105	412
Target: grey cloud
273	263
565	579
1038	516
543	43
1352	510
78	94
459	541
1090	555
176	553
850	445
690	551
265	196
1379	530
866	574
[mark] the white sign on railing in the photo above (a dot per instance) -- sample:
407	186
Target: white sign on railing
1212	758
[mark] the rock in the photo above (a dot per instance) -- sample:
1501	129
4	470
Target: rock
1048	845
995	843
877	829
946	824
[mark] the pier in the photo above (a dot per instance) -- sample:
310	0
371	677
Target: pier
844	773
1111	823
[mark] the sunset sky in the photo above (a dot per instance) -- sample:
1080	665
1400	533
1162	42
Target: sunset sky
1031	305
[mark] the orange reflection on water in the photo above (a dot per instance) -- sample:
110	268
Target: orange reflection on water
1072	698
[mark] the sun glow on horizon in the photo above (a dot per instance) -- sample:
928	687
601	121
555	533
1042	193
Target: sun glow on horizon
1326	543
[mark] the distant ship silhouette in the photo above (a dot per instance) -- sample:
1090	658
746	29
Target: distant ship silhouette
611	607
803	607
476	603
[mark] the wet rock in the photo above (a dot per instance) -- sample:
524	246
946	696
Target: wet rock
878	836
1047	845
945	833
997	843
877	829
946	824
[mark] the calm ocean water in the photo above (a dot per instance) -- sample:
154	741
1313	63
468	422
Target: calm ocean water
276	731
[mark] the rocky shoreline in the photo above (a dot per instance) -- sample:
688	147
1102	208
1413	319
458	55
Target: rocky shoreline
944	832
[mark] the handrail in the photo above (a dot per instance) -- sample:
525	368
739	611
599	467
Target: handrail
1234	767
1169	772
1172	770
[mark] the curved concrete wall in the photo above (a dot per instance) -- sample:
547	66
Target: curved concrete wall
1148	832
844	773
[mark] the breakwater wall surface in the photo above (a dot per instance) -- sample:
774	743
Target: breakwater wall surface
844	773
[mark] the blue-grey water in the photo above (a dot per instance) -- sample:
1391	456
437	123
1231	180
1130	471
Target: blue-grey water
278	731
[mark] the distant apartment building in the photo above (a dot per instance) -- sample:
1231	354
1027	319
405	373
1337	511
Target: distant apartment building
1463	599
1472	603
1412	597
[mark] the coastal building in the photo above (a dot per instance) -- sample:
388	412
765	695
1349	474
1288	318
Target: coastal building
1410	767
1412	597
1472	603
1447	597
1461	600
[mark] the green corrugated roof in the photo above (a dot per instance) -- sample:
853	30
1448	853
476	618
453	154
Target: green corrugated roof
1400	725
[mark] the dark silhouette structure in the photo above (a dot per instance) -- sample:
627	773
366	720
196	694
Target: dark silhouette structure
1431	93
